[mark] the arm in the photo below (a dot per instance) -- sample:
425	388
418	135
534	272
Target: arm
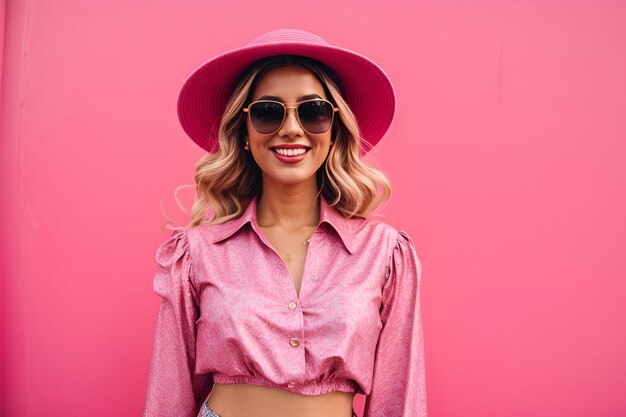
399	385
173	388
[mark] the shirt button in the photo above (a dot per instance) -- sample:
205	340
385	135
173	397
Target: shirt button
294	342
313	277
292	305
291	384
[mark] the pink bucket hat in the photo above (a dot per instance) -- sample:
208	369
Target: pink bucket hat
367	89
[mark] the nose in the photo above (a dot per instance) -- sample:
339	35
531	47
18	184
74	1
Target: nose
291	126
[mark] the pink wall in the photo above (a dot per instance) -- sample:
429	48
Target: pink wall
507	156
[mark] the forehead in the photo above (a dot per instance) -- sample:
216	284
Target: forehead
289	83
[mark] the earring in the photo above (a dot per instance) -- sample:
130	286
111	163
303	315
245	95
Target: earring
331	143
247	145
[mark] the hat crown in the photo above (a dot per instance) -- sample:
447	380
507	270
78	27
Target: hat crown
289	36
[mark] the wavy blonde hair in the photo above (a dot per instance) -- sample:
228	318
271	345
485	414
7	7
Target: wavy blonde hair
228	179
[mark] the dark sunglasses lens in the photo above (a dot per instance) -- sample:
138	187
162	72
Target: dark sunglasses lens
316	116
266	117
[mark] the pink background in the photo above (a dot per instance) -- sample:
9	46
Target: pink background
507	157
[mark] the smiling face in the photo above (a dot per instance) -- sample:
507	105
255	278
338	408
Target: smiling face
289	156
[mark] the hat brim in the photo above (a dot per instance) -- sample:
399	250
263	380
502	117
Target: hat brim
367	89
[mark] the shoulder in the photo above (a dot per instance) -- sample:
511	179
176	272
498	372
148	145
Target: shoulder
376	234
182	240
173	248
208	233
378	228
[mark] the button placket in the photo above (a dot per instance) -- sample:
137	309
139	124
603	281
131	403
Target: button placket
294	304
310	263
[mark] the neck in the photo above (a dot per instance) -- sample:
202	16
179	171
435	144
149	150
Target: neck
289	207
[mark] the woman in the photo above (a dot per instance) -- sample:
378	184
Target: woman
290	300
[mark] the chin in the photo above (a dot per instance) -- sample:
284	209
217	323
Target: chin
291	179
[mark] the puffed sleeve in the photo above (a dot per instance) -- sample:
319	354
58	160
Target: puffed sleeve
399	385
173	387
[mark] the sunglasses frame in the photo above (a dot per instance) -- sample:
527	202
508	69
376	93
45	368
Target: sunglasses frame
288	106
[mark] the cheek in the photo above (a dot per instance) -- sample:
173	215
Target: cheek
260	154
325	144
256	141
257	155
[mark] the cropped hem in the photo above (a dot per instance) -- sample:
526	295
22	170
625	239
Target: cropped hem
311	388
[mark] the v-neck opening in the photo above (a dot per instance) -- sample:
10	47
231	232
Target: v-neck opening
265	239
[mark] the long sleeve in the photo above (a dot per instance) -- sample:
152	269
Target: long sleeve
399	385
173	388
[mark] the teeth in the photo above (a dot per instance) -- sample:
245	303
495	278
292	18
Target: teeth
290	152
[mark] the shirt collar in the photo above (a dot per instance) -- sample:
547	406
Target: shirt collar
328	214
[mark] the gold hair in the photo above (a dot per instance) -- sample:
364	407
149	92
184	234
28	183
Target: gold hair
228	179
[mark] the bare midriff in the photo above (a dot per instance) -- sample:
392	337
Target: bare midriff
247	400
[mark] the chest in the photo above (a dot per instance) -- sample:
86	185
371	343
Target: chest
248	292
292	248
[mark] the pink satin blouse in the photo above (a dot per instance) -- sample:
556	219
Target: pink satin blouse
230	314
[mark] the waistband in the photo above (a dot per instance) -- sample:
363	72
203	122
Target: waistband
306	388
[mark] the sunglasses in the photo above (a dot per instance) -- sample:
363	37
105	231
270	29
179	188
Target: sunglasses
315	116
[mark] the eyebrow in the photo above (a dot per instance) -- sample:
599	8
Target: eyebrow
301	98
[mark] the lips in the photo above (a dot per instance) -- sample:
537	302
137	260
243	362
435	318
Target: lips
290	153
